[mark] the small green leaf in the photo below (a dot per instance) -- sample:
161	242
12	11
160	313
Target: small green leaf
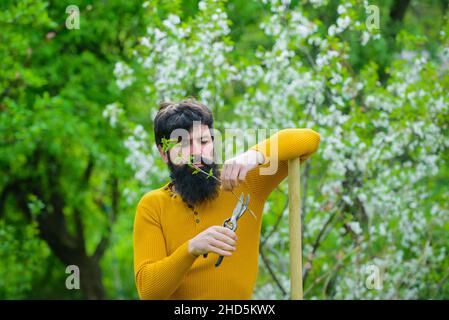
168	144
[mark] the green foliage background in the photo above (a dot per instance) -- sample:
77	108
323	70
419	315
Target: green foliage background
60	159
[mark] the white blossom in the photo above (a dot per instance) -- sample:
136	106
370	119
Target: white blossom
304	79
112	113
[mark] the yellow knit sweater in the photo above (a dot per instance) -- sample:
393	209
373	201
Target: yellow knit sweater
163	267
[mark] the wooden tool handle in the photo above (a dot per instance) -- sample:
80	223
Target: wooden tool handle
294	207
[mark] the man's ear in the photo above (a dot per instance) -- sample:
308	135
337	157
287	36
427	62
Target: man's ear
163	154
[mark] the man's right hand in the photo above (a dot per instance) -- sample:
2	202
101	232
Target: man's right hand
216	239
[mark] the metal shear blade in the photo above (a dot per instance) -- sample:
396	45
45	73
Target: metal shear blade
241	207
239	210
231	222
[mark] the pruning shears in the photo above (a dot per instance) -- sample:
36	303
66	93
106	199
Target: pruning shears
231	223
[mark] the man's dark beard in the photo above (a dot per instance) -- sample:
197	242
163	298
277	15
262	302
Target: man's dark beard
194	188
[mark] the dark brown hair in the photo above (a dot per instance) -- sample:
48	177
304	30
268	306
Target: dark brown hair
172	115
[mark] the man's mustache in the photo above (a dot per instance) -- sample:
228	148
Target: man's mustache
200	160
193	160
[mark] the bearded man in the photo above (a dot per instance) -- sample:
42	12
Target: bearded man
178	232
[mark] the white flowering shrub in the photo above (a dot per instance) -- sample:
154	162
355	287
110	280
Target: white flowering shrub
368	193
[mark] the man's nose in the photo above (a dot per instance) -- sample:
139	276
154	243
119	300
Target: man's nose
196	152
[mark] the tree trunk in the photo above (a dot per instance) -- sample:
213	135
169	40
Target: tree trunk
399	9
71	251
52	224
91	279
